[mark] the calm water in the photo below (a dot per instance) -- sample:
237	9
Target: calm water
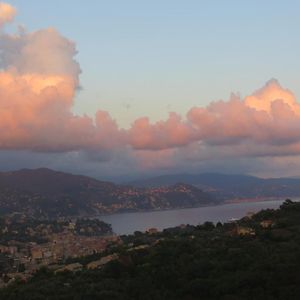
127	223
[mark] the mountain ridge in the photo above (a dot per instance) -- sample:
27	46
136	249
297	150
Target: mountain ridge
47	193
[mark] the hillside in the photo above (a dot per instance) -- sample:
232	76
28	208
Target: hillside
228	187
48	193
254	258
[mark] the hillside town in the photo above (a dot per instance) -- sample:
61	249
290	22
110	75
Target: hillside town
27	245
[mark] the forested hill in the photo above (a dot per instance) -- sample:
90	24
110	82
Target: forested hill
48	193
254	258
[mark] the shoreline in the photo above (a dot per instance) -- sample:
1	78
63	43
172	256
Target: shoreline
253	200
227	202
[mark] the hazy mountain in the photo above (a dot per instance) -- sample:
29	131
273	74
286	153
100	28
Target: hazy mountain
226	186
205	179
44	192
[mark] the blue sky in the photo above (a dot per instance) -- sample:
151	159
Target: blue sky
151	57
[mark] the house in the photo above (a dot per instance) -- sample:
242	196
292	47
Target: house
140	247
245	231
71	268
36	253
101	262
266	223
4	249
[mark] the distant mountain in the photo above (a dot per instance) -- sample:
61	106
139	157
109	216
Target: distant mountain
205	179
47	193
225	186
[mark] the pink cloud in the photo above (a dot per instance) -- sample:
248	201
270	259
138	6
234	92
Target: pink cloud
39	78
268	116
7	13
161	135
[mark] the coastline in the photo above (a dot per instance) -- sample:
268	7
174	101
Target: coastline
226	202
252	200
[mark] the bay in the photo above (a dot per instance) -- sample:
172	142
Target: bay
127	223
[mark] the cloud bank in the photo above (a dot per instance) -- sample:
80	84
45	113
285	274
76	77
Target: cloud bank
39	77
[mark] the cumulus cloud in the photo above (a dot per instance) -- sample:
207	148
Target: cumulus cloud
164	134
38	81
270	116
39	77
7	13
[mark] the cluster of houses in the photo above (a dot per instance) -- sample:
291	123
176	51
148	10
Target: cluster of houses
65	245
245	230
26	258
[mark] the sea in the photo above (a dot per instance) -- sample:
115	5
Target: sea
128	223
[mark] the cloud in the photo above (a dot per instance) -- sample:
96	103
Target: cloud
162	135
7	13
44	52
270	116
263	98
39	78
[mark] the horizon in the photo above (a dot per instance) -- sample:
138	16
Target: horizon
137	88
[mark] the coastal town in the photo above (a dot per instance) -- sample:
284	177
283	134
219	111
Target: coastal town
27	245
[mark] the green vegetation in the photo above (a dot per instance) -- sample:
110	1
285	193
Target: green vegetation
255	258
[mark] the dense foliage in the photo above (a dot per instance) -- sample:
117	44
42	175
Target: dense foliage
192	262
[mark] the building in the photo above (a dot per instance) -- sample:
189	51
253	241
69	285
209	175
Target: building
266	223
101	262
71	268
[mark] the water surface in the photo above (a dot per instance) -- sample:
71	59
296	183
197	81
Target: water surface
127	223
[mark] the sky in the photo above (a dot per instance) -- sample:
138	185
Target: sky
91	87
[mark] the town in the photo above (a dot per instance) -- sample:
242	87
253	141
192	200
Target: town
27	244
